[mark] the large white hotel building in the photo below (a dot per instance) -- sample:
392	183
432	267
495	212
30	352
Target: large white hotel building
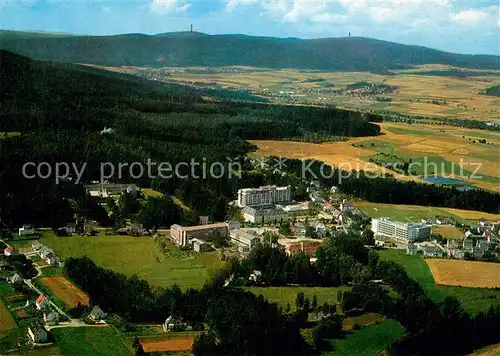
405	232
263	196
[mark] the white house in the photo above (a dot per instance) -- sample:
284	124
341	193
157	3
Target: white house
97	313
255	276
173	324
51	317
44	252
27	230
16	278
37	332
42	302
52	258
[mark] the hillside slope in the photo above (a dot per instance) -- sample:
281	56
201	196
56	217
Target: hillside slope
197	49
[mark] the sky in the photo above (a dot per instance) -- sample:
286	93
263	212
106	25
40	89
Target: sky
450	25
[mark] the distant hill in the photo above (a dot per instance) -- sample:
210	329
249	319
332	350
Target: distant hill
199	49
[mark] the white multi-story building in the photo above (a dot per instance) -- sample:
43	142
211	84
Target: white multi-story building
405	232
263	196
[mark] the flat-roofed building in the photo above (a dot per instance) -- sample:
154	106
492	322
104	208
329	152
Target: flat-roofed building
268	213
265	195
404	232
182	235
296	209
244	239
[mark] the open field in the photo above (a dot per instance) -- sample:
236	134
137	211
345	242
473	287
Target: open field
465	273
90	341
449	232
419	90
7	322
415	213
362	320
65	291
171	345
284	295
434	150
369	341
474	300
139	255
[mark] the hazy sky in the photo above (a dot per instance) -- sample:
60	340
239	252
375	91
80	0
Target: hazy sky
451	25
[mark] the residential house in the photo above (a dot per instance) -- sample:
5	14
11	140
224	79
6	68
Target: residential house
27	230
36	246
51	317
15	278
37	332
173	324
255	276
52	258
44	252
97	313
451	244
71	228
443	220
200	245
42	302
411	249
9	251
432	251
468	245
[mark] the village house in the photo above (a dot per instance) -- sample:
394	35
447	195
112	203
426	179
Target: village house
37	332
15	278
255	276
97	313
52	258
173	324
36	246
42	302
432	251
412	249
27	230
51	317
468	245
44	252
9	251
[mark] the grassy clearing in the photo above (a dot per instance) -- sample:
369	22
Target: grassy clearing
369	341
139	255
450	232
474	300
284	295
415	213
90	341
7	322
362	320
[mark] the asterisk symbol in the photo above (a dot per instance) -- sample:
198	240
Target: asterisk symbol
280	163
260	163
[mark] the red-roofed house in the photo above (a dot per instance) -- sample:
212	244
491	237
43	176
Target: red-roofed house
42	302
9	251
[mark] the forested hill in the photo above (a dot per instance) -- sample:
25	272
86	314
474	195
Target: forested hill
198	49
55	112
